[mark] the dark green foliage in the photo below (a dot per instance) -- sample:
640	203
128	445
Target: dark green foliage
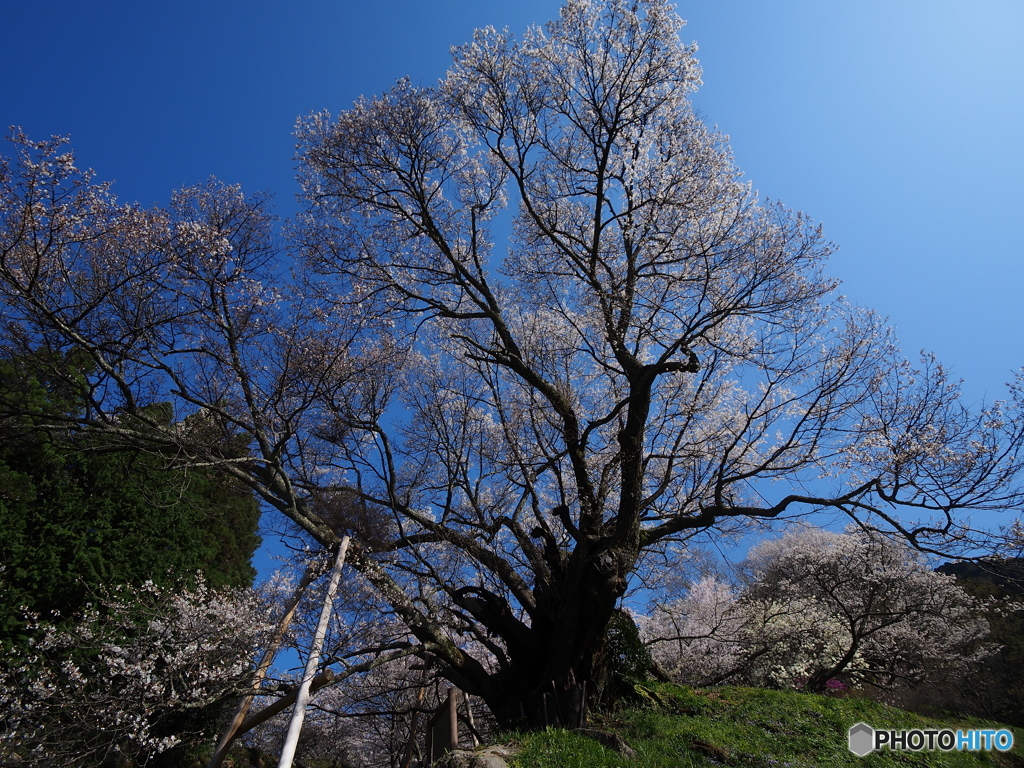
628	661
77	512
996	689
1007	574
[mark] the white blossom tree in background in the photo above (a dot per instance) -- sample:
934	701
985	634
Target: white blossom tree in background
522	423
817	606
143	672
698	639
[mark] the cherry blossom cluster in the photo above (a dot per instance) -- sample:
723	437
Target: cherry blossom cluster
135	674
817	606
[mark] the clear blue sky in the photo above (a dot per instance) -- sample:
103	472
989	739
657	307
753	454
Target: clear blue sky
898	124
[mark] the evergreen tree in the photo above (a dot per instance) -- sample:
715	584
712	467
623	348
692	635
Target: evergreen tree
994	689
77	512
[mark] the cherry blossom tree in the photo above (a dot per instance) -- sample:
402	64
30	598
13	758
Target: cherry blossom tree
141	673
700	638
817	606
540	334
182	331
648	344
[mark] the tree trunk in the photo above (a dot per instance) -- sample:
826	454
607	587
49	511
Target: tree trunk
564	652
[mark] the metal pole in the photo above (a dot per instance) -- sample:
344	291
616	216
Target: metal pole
291	741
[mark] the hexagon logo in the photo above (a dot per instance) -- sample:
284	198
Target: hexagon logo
862	739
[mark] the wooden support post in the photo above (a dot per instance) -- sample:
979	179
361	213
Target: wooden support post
443	728
453	718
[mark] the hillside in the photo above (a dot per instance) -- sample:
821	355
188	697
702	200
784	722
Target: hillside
678	727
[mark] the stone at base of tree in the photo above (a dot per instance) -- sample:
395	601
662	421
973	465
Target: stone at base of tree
610	740
486	757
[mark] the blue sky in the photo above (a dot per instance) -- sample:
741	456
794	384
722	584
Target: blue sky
898	125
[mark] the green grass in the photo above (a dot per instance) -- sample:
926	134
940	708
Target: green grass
678	727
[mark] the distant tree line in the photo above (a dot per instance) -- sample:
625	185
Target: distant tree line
995	688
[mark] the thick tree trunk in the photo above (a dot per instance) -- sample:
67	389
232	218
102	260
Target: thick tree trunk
562	653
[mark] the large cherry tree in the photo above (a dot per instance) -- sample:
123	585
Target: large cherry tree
542	333
612	342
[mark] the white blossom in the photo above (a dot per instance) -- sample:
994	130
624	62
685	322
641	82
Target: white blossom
126	674
817	605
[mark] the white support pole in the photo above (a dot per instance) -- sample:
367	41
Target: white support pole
313	570
291	741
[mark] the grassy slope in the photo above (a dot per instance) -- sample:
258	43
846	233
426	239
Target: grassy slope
681	727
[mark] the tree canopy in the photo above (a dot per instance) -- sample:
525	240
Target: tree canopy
537	327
